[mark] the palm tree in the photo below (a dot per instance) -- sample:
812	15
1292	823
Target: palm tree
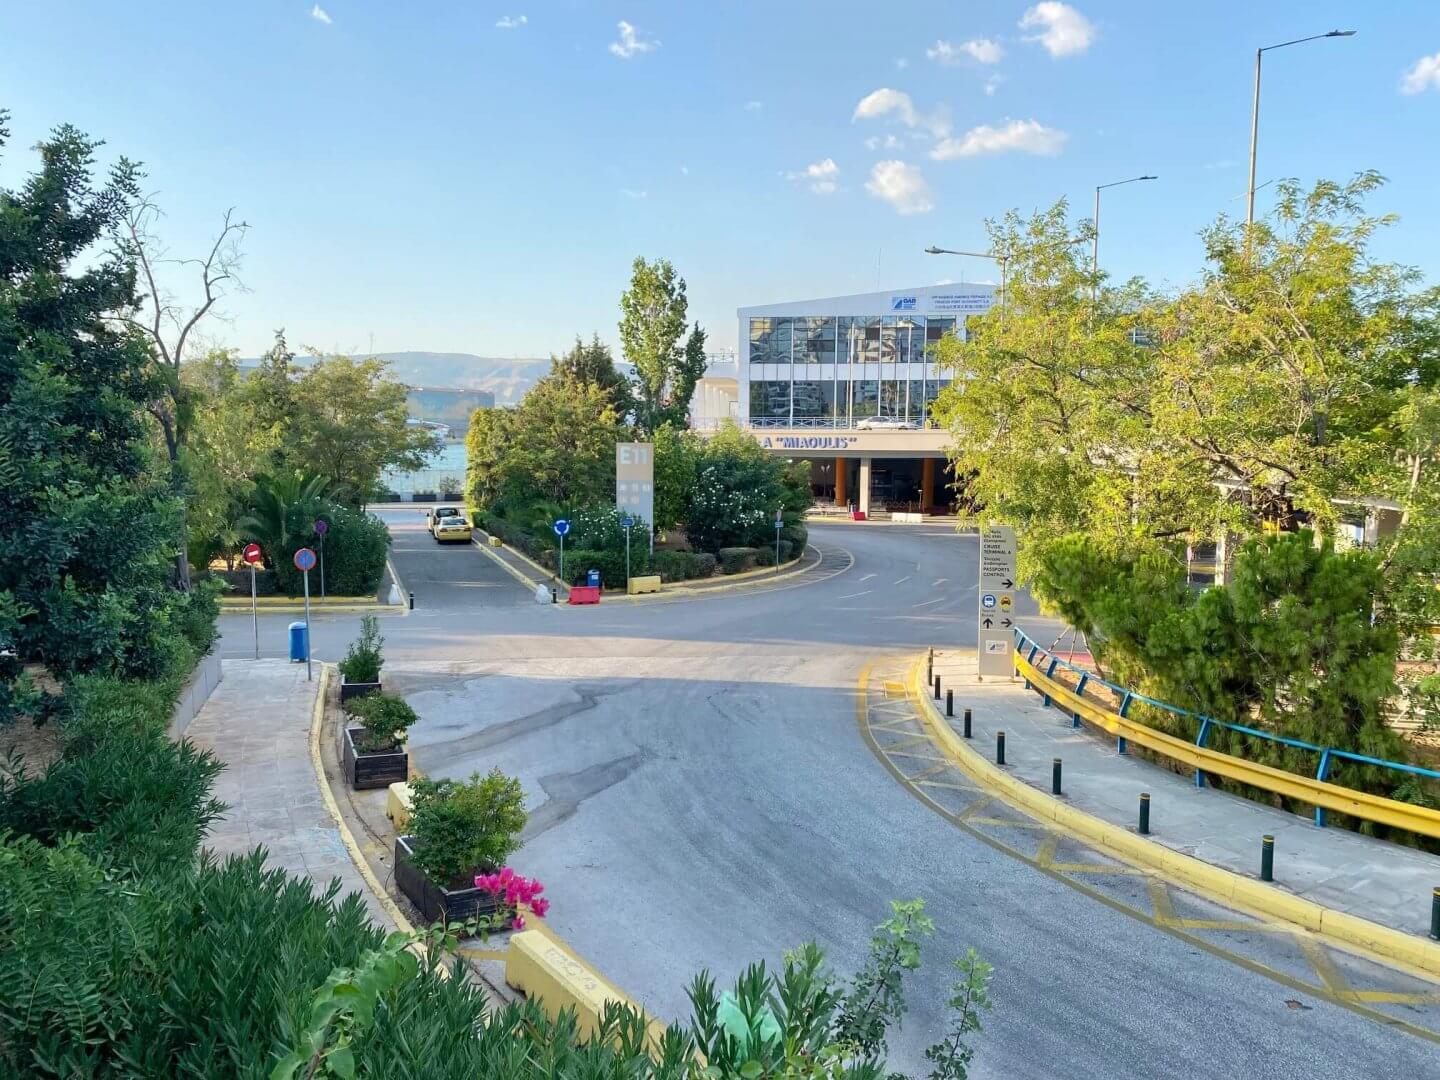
283	510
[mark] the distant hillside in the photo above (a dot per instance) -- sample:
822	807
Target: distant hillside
506	379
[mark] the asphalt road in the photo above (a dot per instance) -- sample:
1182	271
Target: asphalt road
701	797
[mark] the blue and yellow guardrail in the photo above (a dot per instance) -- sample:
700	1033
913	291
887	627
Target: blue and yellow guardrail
1037	666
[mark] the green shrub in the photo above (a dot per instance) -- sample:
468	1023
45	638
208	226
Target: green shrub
611	565
733	560
385	719
797	534
460	827
597	527
765	556
355	550
365	656
682	565
705	567
512	533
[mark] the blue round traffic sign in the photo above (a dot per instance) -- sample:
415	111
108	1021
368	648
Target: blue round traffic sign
304	560
627	522
321	526
562	527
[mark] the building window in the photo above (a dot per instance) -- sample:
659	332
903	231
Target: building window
769	400
866	397
910	340
869	341
935	329
815	340
779	352
892	398
760	330
809	401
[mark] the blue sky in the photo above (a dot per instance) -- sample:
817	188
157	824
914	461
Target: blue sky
417	176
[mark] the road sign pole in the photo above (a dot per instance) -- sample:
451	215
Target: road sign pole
254	611
627	561
308	643
322	566
562	558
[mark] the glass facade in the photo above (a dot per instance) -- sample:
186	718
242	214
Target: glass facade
831	371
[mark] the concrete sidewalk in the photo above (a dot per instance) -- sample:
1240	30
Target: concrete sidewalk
258	722
1371	879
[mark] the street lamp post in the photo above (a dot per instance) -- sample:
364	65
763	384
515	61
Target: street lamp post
1255	119
1003	258
1095	240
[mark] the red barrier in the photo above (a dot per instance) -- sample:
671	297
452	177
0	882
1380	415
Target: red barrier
584	594
858	515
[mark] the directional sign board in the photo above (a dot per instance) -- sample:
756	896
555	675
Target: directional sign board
627	522
997	600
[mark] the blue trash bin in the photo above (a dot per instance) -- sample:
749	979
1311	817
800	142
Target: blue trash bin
299	643
593	579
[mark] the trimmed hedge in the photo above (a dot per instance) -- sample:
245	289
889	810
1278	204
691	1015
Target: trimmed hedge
611	565
766	556
735	560
682	565
512	534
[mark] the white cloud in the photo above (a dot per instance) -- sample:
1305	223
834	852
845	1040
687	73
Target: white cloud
320	15
981	50
992	84
684	170
1018	136
631	44
1059	28
885	142
1425	75
1223	163
754	106
632	194
821	175
882	102
902	63
902	186
511	22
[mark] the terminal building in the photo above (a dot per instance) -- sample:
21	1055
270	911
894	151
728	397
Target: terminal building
847	384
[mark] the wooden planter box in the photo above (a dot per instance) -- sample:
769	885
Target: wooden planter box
350	690
372	770
435	903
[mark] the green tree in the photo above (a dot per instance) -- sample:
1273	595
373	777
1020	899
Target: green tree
88	528
738	487
594	364
677	460
348	419
652	323
557	446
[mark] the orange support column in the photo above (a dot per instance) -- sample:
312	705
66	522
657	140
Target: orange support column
927	484
841	496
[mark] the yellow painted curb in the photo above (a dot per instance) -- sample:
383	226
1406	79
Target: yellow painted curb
317	721
1368	939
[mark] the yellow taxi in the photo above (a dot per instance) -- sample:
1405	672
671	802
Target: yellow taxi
449	524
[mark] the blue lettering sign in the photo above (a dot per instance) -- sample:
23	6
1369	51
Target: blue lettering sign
902	303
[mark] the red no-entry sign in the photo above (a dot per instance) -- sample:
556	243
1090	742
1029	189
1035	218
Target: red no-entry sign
252	553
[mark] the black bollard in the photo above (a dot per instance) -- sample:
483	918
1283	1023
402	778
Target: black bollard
412	601
999	748
1055	777
1267	858
937	687
949	702
1144	813
1435	914
967	723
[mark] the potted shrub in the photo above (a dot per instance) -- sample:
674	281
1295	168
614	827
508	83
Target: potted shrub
374	752
360	670
459	830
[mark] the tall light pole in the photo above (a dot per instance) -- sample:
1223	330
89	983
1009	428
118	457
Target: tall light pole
1255	119
1003	258
1095	240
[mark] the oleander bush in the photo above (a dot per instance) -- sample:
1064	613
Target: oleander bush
734	560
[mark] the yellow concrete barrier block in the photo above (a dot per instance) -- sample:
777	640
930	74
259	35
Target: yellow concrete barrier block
496	542
645	583
398	803
548	973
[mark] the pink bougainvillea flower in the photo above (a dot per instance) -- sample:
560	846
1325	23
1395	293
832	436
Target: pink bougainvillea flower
517	923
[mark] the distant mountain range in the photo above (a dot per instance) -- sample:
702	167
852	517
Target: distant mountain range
506	378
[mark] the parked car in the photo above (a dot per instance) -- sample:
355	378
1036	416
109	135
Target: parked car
437	514
885	423
452	528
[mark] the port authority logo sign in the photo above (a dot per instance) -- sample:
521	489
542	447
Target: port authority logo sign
902	303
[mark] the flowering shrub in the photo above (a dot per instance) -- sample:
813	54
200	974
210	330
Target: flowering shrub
516	892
